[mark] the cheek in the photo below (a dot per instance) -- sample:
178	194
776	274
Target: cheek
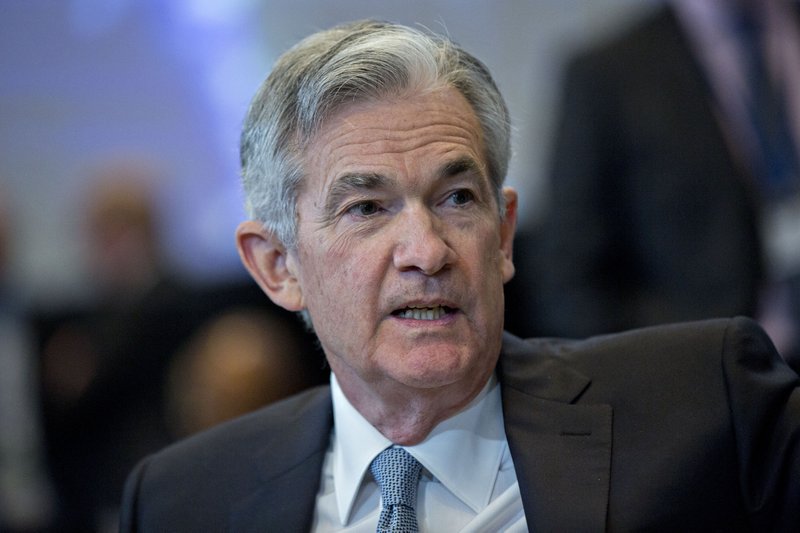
492	275
335	282
488	250
345	270
356	262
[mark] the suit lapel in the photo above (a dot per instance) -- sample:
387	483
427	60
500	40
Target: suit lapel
288	499
289	466
561	449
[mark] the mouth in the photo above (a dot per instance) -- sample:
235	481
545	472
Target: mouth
415	312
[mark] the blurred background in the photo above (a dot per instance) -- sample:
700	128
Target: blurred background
126	319
165	83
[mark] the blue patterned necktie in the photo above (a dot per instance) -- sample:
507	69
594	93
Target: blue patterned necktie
397	474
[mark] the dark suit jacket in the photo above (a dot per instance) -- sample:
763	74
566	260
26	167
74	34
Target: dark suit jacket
653	217
692	427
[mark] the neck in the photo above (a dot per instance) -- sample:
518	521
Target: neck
407	415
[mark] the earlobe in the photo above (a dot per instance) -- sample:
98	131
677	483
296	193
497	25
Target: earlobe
507	228
270	264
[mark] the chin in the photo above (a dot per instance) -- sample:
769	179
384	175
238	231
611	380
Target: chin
429	370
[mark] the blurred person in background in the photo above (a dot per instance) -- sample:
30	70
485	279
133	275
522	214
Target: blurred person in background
153	357
25	493
675	185
238	361
103	368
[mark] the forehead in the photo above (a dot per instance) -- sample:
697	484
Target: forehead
400	136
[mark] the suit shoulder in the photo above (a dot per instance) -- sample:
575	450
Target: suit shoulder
217	468
686	345
258	428
286	431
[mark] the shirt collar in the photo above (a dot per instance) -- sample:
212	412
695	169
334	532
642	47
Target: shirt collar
474	436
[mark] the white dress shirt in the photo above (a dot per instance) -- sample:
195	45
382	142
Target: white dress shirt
468	481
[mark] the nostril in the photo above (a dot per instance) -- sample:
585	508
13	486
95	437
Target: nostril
427	256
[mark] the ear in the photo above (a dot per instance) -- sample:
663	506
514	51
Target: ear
507	228
270	264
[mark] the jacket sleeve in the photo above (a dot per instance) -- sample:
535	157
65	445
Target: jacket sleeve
764	398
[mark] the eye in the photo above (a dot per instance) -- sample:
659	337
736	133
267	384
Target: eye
461	197
364	209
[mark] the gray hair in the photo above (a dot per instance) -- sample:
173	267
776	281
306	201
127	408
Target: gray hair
359	61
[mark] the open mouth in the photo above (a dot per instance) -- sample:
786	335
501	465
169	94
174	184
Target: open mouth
423	313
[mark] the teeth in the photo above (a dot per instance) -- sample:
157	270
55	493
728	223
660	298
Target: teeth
423	313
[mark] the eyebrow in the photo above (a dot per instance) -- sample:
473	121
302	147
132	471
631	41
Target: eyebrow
346	185
459	166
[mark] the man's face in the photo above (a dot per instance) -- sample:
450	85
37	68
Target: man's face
402	254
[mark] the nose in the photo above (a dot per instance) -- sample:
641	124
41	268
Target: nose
421	244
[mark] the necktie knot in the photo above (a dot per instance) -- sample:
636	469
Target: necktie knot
397	474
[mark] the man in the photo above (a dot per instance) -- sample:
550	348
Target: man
675	192
373	160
